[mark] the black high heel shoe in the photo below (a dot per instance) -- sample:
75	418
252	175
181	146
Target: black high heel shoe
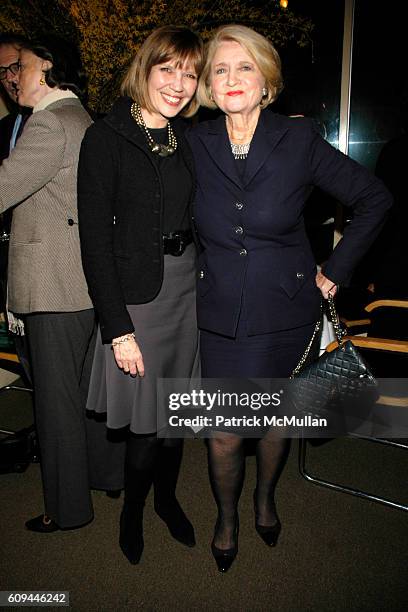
225	557
268	533
131	532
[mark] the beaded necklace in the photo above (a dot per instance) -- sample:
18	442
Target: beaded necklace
160	149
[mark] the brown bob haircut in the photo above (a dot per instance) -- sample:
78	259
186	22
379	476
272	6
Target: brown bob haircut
164	44
260	48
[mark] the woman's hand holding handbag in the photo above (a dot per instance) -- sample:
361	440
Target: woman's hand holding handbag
339	383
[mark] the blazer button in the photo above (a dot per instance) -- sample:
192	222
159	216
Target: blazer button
201	273
239	205
239	230
300	275
243	252
71	222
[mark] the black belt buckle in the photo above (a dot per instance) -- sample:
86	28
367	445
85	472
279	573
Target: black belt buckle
175	243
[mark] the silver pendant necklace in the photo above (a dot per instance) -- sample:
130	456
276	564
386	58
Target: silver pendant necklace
160	149
240	151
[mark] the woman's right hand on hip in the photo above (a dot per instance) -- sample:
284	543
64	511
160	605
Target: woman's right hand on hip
128	356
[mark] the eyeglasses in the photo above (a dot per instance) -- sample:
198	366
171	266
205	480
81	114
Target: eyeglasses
14	69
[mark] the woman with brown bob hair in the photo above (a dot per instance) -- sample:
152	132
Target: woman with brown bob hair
258	292
136	179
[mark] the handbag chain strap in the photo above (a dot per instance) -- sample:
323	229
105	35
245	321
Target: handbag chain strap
340	333
337	330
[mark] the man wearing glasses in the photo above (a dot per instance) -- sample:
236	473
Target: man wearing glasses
11	127
9	67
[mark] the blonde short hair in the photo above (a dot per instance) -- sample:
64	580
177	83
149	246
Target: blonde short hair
164	44
260	48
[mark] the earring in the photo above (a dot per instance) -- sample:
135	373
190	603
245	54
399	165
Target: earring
42	81
264	92
210	95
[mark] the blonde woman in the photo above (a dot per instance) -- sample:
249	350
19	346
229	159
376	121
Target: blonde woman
258	292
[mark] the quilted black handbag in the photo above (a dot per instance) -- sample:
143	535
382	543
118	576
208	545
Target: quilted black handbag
338	383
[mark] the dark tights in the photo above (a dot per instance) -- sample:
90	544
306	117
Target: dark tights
271	355
227	470
151	460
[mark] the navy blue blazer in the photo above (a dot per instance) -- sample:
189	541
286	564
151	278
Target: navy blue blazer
255	248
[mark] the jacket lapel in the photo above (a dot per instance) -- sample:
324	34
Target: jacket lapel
267	135
218	146
122	122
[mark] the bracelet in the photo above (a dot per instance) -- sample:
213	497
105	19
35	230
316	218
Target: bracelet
123	339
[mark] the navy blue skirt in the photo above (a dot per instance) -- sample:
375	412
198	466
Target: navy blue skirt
265	356
273	355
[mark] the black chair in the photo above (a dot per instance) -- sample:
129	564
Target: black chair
387	358
17	448
385	318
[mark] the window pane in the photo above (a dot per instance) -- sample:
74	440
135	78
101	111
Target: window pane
379	82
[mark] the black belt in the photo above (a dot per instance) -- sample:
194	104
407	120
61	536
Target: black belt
175	243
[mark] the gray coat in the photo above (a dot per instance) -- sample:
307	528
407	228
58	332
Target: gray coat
40	179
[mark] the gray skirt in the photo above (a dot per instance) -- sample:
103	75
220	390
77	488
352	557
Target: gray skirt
166	331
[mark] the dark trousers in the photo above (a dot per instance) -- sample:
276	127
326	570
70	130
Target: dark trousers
23	354
61	349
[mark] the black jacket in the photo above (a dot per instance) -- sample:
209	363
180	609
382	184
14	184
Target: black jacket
6	130
256	250
120	203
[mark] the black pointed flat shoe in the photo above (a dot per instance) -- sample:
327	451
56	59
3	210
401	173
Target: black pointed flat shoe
268	533
225	557
42	524
177	523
